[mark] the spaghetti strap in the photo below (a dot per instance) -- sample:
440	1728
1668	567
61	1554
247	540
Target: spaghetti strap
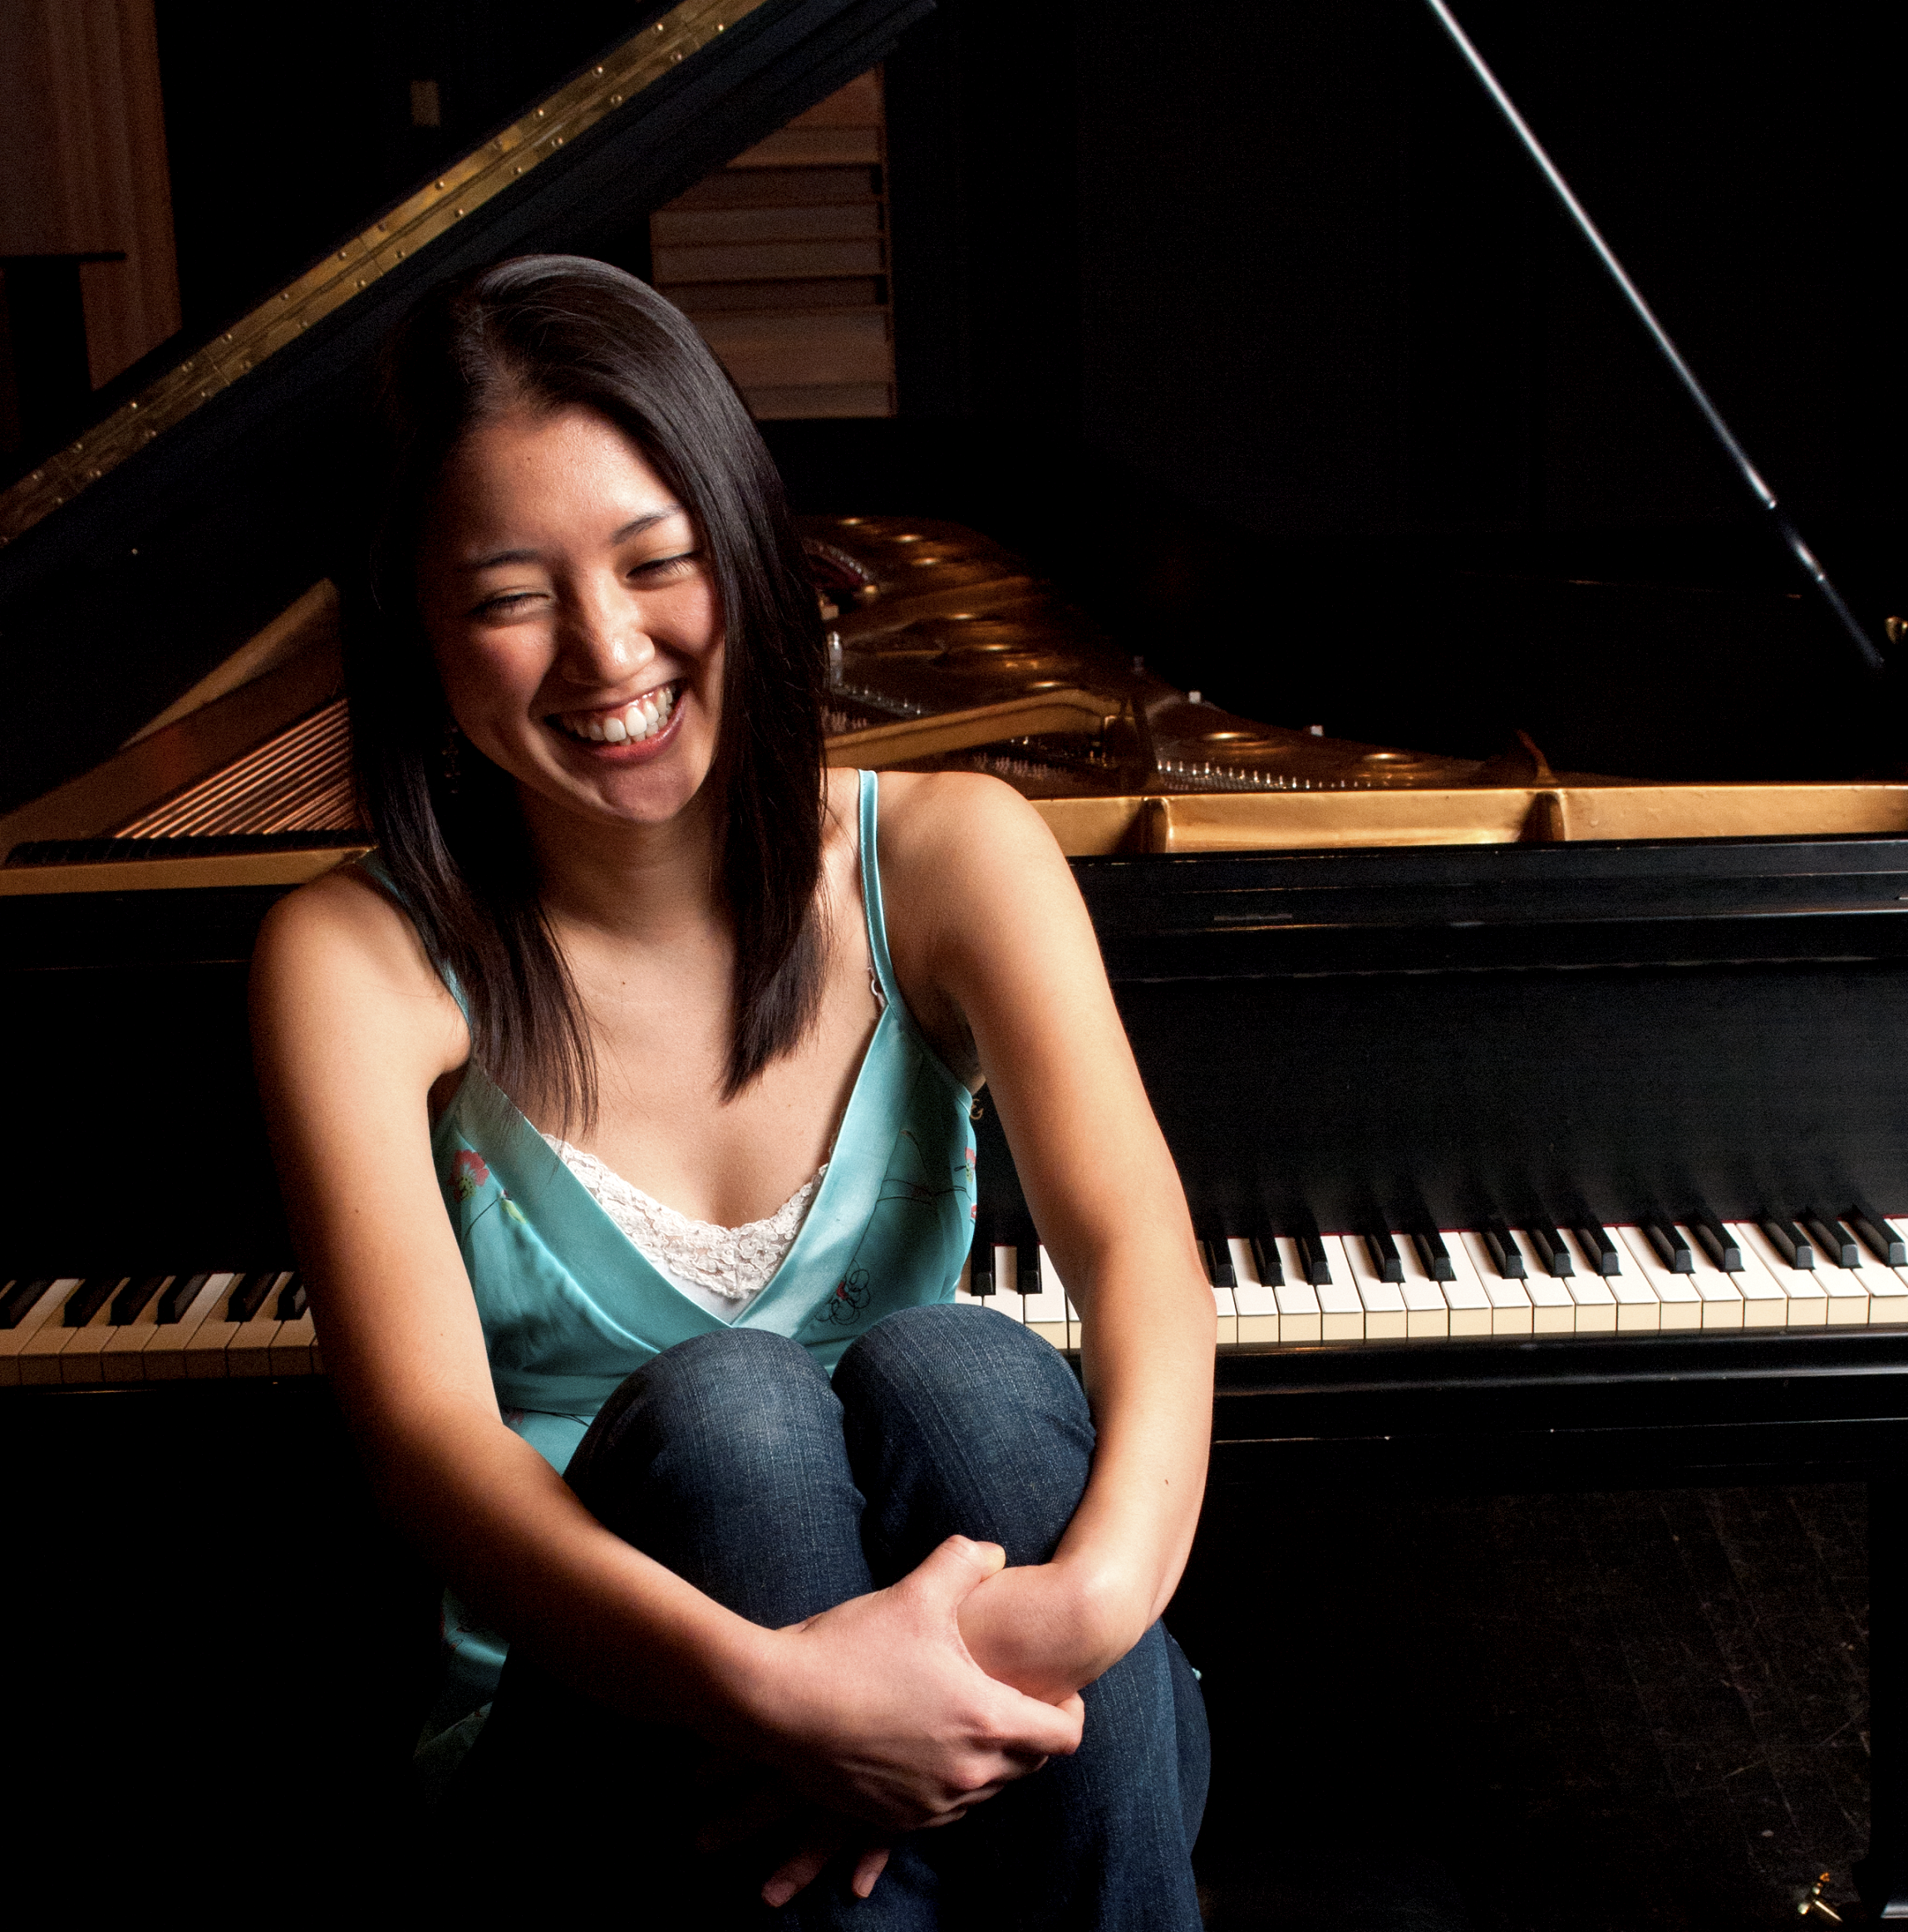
871	891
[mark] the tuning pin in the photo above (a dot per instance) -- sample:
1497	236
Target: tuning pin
1815	1907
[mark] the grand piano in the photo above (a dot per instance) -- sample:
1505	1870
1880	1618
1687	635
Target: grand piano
1541	1128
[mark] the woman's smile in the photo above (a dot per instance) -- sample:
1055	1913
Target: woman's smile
637	729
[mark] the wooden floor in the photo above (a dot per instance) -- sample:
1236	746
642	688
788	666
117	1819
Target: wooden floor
1627	1712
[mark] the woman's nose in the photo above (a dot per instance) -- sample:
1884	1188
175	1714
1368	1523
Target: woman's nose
604	640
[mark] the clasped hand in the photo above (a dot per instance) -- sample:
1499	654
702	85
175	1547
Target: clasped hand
875	1713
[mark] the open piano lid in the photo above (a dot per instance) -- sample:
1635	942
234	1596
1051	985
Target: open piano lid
169	637
140	557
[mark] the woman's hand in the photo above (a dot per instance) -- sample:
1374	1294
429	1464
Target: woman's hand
877	1708
754	1805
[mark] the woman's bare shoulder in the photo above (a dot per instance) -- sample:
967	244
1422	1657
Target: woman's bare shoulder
960	822
340	949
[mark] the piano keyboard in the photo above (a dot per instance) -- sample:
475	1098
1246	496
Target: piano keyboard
1390	1285
99	1330
1848	1271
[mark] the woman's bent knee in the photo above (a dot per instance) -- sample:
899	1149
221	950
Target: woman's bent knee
951	1354
739	1400
960	1422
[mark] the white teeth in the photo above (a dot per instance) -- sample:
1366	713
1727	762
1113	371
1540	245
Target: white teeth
642	718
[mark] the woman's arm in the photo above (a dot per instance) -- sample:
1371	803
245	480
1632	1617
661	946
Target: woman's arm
992	929
351	1028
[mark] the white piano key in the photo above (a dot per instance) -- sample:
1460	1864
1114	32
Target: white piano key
1888	1295
1638	1310
39	1356
123	1358
295	1347
1463	1294
1553	1307
1594	1299
1427	1313
1383	1301
1046	1314
80	1362
249	1353
1226	1318
13	1341
1509	1300
1680	1300
163	1359
1764	1305
1803	1294
1257	1306
1301	1318
1341	1308
1847	1290
205	1347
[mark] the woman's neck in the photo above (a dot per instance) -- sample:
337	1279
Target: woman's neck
641	883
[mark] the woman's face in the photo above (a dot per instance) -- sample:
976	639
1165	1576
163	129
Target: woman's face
573	616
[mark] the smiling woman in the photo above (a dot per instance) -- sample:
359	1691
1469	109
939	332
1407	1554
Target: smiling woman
623	1107
567	366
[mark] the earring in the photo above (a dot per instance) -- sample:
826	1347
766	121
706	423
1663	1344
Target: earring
450	759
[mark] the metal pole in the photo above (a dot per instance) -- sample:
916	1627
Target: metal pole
1765	497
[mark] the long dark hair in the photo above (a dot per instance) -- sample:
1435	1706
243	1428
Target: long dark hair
555	332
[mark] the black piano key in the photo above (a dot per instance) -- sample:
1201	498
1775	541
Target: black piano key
1266	1259
1883	1243
130	1303
1832	1240
1790	1243
1027	1262
1219	1269
1312	1252
88	1299
22	1297
1600	1246
1435	1255
1663	1235
292	1299
248	1296
1384	1255
1722	1246
179	1297
1551	1250
1506	1255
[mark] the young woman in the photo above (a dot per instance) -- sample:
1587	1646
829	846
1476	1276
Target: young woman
624	1102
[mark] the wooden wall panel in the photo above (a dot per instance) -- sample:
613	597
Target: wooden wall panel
83	164
781	260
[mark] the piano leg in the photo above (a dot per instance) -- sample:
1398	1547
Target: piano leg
1882	1876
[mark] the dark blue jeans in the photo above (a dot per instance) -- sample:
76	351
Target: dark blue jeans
733	1460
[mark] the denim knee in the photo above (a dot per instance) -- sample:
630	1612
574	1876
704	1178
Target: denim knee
729	1407
958	1421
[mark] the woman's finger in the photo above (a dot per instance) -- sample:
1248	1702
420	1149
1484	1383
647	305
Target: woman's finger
803	1867
868	1868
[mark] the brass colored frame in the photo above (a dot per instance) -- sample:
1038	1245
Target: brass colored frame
467	183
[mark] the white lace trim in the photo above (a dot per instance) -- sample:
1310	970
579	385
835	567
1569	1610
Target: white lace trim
732	1264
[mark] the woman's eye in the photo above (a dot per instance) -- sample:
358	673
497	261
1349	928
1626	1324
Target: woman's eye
505	603
664	569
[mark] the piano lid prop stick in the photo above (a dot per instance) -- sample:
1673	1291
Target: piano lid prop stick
1765	497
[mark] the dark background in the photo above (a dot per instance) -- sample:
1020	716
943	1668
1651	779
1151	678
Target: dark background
1251	326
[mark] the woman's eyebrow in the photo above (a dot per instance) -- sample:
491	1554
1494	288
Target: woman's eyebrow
634	527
